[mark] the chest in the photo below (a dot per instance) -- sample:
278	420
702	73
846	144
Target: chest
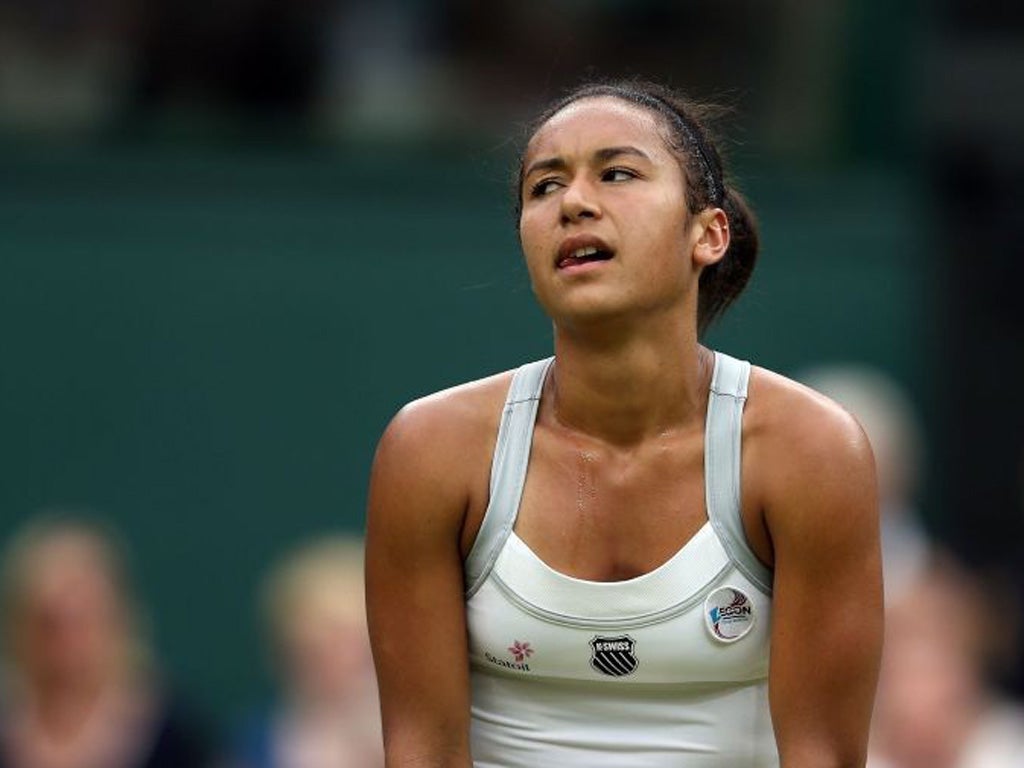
605	514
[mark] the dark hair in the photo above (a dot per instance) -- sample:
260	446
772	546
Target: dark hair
687	135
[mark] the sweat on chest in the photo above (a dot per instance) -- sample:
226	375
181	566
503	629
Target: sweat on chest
601	514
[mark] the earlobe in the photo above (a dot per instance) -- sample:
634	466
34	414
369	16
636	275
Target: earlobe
714	239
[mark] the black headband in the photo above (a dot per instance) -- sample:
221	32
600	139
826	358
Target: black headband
694	138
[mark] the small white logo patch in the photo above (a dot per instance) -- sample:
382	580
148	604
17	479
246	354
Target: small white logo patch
729	614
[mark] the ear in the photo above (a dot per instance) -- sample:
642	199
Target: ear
712	237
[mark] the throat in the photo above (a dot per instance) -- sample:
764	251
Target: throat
627	402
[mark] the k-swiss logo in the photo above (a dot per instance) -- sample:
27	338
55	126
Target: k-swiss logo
614	656
729	614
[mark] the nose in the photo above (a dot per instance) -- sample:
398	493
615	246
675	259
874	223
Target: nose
579	201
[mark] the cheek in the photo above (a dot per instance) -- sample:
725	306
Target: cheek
533	239
657	229
672	213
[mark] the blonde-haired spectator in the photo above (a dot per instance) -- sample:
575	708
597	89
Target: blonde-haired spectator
935	707
327	714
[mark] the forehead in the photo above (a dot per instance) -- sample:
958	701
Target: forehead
595	123
63	554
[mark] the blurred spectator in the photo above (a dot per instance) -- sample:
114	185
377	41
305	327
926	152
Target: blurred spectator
383	74
508	58
327	714
64	66
889	420
79	685
255	61
935	708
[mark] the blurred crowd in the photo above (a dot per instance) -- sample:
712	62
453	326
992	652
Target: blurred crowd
952	634
428	68
81	687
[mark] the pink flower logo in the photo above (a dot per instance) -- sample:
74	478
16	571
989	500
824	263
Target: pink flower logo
520	651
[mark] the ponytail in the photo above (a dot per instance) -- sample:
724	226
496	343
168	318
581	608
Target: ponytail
722	283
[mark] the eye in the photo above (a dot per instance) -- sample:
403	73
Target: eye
543	187
618	174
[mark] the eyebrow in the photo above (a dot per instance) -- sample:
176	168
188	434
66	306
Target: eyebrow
601	155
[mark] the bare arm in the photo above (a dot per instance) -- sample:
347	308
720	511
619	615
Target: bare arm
821	510
415	593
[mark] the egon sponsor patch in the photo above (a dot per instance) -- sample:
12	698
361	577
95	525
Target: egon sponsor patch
729	614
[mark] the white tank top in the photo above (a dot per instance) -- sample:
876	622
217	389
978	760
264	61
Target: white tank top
665	669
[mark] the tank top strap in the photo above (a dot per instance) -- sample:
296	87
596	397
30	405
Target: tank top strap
722	459
508	470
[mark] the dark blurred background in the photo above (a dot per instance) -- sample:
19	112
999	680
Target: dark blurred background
235	237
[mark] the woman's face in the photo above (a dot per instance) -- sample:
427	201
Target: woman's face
325	649
71	624
604	224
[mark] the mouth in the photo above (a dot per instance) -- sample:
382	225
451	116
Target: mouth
576	252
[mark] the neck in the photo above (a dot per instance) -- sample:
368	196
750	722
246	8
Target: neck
623	387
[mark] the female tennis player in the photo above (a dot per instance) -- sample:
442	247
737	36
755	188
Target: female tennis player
640	552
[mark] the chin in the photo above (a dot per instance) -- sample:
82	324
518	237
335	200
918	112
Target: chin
579	301
592	314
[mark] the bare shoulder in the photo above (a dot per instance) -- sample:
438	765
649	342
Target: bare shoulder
432	465
801	423
458	418
803	451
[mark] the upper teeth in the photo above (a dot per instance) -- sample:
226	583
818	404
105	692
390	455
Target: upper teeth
588	250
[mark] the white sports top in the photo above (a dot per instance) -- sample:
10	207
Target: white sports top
665	669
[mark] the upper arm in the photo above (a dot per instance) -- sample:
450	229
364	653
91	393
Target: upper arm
821	511
415	594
